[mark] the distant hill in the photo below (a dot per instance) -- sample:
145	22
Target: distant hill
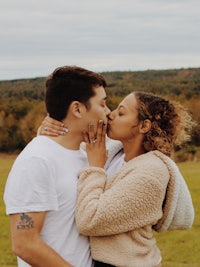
169	82
185	82
22	106
22	88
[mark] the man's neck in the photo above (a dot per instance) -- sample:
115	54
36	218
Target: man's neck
68	141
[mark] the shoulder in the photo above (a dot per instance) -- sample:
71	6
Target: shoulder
149	162
145	169
33	161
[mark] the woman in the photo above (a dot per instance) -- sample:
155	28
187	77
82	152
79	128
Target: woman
119	210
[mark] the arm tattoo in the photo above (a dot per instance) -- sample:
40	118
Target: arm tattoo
25	222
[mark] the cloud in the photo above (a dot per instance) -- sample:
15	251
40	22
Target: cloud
100	35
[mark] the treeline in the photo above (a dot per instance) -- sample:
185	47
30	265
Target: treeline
22	101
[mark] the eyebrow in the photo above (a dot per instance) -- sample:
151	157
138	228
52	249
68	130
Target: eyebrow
121	106
104	98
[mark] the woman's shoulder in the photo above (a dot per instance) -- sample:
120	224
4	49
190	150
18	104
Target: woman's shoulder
150	160
149	165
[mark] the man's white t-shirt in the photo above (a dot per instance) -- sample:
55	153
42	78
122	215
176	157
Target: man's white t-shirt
44	178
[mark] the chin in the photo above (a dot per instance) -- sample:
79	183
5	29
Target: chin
110	135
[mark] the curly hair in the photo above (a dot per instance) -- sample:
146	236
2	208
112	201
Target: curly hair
171	124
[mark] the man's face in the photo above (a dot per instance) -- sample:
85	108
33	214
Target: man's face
98	109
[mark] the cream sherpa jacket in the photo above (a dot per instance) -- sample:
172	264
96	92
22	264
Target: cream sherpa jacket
177	207
119	214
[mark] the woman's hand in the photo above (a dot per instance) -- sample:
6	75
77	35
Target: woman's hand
52	127
96	145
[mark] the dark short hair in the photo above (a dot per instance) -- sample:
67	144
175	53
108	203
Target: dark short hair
67	84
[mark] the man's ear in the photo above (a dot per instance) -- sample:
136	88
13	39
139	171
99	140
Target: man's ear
145	126
76	109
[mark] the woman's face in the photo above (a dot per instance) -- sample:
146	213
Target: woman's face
123	122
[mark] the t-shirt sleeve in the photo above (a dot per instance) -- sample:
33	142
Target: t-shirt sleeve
30	187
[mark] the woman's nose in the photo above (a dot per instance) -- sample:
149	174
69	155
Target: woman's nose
111	115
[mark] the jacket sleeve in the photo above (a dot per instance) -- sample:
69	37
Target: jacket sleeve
134	201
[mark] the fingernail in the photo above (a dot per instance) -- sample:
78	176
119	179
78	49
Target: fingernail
100	122
65	129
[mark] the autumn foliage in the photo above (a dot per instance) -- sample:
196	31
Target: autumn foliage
22	101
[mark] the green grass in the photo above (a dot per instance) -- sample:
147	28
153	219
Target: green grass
7	258
178	248
182	248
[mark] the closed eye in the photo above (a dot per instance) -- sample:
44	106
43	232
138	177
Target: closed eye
120	110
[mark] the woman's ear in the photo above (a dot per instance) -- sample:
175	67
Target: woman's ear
145	126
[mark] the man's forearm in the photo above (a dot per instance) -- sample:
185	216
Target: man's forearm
39	254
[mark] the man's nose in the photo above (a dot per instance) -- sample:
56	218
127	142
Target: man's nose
108	111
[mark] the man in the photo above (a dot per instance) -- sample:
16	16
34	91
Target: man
40	193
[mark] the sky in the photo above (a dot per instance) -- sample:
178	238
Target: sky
105	35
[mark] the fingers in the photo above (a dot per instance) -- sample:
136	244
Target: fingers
59	130
100	130
104	131
86	138
91	134
52	127
100	134
95	144
46	131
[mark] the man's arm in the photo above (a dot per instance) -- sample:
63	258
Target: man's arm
27	244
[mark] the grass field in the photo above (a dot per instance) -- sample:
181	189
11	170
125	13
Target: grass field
179	248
